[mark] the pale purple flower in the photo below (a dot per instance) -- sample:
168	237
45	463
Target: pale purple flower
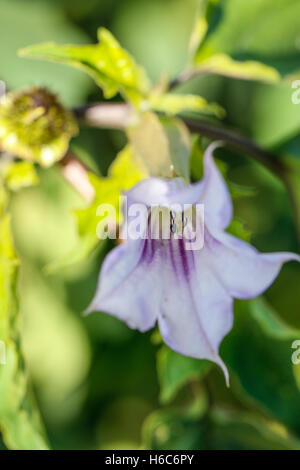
188	293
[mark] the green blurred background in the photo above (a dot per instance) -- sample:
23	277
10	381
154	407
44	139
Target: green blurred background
95	380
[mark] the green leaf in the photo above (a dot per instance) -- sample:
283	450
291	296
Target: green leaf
19	420
290	155
238	229
8	274
122	175
238	191
263	363
175	371
160	146
150	145
179	145
274	117
256	28
3	199
178	427
172	103
168	430
112	68
270	323
35	126
221	47
86	245
205	10
223	64
196	159
225	427
45	21
240	430
20	175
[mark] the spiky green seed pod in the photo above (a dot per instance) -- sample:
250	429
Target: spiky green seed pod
35	126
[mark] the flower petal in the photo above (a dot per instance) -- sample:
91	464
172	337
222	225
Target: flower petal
129	286
196	311
211	191
216	197
244	271
158	191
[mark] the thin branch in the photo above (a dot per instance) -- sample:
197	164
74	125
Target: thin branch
185	76
118	116
76	173
105	115
238	142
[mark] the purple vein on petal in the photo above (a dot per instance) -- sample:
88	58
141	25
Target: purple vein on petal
183	257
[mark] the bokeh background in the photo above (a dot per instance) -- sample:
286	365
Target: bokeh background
96	382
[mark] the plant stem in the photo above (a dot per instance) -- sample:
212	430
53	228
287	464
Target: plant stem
238	142
184	77
76	174
118	116
105	115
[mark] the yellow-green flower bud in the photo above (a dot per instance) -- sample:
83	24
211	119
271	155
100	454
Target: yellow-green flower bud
35	126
